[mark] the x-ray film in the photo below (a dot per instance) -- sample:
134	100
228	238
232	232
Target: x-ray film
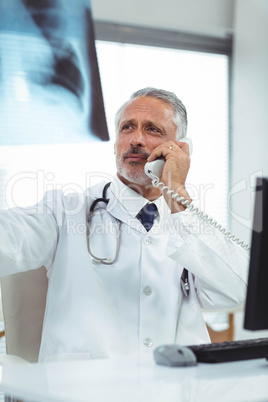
50	90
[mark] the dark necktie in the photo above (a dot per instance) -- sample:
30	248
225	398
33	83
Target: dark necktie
147	214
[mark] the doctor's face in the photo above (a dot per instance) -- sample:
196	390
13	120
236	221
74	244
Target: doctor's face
144	124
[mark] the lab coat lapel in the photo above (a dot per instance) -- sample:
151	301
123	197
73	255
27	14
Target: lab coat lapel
125	204
118	211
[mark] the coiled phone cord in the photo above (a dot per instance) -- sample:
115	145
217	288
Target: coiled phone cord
202	215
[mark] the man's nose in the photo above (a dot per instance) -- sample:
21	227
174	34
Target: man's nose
137	139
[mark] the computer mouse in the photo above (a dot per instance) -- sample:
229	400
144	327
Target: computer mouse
174	356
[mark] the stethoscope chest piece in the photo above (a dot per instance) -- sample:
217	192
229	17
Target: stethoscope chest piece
185	282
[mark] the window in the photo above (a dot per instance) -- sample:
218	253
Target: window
200	80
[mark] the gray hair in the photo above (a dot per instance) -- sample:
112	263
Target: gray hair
180	114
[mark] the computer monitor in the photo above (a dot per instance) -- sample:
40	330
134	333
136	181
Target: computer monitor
256	313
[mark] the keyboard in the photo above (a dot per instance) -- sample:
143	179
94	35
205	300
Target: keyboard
231	351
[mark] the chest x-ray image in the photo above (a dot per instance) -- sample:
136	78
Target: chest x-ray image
49	78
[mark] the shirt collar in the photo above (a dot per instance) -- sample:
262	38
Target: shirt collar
132	201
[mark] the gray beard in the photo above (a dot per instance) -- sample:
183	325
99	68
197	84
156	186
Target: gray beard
136	176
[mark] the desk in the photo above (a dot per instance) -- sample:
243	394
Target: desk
126	381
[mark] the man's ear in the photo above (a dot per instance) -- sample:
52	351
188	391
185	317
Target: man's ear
114	149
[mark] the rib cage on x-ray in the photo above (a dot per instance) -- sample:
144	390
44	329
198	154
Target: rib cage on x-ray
65	64
61	69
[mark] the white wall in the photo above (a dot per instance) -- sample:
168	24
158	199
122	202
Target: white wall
249	143
249	107
202	16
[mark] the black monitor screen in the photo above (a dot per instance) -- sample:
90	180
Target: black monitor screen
256	314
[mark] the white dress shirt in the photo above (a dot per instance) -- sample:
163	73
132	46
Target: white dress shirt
136	304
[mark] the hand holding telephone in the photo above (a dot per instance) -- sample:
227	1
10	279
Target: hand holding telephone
156	167
154	170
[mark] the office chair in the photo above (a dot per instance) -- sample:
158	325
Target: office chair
23	300
224	335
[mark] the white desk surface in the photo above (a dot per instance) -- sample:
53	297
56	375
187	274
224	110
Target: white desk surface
126	381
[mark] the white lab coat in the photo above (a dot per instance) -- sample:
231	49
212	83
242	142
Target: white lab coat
131	307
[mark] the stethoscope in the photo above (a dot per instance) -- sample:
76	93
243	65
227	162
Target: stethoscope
108	260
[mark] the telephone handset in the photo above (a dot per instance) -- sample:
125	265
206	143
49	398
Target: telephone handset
154	170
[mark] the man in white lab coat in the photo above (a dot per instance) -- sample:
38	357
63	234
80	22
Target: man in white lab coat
135	304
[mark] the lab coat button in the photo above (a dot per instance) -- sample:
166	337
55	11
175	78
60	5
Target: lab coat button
148	342
147	241
147	291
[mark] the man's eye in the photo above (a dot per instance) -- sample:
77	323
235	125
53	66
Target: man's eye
126	127
153	129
